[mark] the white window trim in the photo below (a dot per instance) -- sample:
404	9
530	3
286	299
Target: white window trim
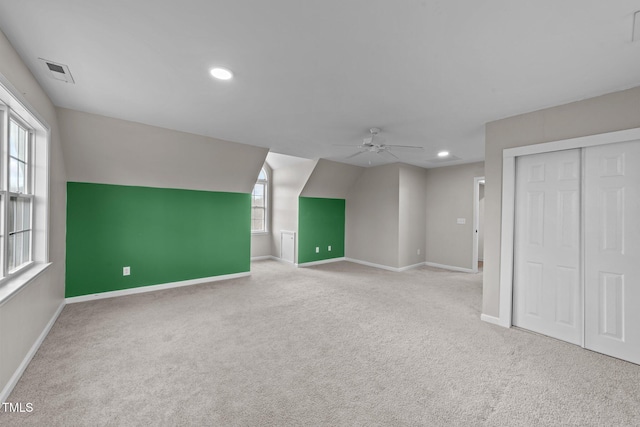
14	102
267	202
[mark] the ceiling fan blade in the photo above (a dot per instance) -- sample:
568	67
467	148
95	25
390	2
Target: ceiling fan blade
381	152
406	146
347	145
355	154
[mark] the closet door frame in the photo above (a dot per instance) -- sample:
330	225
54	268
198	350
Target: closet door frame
508	203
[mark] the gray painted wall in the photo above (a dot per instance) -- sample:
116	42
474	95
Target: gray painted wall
607	113
104	150
24	317
372	216
412	215
449	194
331	180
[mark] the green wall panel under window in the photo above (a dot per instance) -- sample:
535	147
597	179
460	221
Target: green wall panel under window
320	224
164	235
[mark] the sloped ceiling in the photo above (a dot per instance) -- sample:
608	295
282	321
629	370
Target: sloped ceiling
309	75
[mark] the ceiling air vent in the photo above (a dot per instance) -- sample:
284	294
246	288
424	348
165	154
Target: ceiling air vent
57	71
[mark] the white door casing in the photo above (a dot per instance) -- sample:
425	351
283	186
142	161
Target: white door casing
612	250
507	231
547	281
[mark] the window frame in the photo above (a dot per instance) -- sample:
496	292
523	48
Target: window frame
265	183
8	116
13	106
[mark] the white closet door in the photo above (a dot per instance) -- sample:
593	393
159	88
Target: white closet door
612	250
547	293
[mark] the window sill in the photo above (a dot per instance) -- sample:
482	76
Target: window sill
259	233
13	285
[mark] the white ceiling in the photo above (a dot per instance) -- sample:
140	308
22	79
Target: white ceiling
311	74
277	161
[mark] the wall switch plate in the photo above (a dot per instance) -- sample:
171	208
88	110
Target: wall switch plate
329	249
126	271
462	220
418	251
317	249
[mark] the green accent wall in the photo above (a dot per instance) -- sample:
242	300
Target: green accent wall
320	224
164	235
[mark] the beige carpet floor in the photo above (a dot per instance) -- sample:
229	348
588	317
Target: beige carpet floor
334	345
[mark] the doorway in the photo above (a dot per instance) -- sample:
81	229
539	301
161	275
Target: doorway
478	224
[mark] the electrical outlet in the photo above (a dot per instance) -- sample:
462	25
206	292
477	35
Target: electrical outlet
329	248
462	221
317	249
418	251
126	271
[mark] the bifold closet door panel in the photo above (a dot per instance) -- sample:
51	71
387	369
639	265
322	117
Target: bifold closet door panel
612	250
547	294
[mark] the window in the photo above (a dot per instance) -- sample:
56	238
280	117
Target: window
259	203
24	144
19	195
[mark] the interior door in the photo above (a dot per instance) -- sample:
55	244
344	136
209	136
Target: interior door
547	296
612	250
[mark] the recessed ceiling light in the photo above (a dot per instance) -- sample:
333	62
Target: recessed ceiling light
221	73
443	154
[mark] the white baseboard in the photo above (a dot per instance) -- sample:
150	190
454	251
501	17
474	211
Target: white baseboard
263	257
449	267
492	319
275	258
323	261
372	264
385	267
152	288
411	267
27	359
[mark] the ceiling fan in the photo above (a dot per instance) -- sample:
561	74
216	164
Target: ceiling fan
371	144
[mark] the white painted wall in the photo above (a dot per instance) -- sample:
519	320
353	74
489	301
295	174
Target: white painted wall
412	215
260	245
24	317
372	216
288	181
104	150
449	196
606	113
